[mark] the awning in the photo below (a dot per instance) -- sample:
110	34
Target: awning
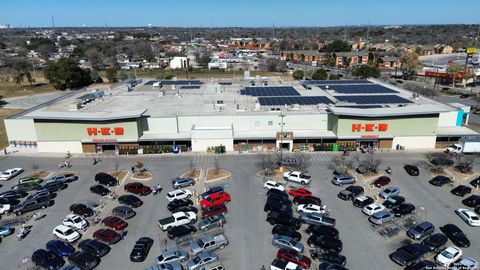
455	131
165	136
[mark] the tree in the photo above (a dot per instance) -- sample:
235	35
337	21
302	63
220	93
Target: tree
334	77
453	69
21	69
78	53
320	74
122	76
95	76
268	163
337	46
465	163
111	75
45	50
203	57
411	65
340	164
366	71
298	74
95	57
275	65
65	73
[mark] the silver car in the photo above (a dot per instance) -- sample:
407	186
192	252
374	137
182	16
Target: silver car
166	266
283	241
389	192
341	180
172	256
182	182
381	217
201	259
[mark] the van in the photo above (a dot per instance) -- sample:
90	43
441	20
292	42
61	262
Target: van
341	180
213	266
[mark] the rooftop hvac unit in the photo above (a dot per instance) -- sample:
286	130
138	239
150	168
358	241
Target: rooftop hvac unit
257	106
295	107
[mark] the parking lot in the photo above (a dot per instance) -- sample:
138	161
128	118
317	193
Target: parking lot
248	232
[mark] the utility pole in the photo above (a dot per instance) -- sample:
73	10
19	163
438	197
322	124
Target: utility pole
345	33
282	115
53	22
368	32
273	31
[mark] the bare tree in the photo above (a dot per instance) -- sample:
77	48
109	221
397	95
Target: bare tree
302	162
268	162
465	163
340	164
192	168
369	163
438	162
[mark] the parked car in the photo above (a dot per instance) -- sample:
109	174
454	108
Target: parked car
5	208
190	208
81	210
393	201
362	201
181	230
208	243
273	184
13	194
278	264
214	210
31	205
274	198
107	236
381	181
294	256
317	219
421	230
341	180
284	219
299	192
141	249
287	231
465	263
100	190
106	179
448	255
66	233
461	190
412	170
47	259
329	257
326	230
60	248
307	200
409	254
25	187
282	241
55	186
171	256
389	192
123	212
94	247
309	208
381	217
130	200
372	209
212	190
435	241
201	259
62	177
325	243
422	265
83	260
5	231
297	177
403	210
166	266
114	222
11	201
457	236
137	188
182	182
472	201
440	180
75	221
475	182
178	194
468	216
215	199
10	173
179	203
177	219
350	193
272	205
30	180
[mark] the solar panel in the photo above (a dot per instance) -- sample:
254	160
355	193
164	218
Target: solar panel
359	89
180	82
150	82
331	82
190	87
379	99
271	91
301	100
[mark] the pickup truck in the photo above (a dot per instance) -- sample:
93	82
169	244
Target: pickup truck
65	178
177	219
208	243
316	218
283	265
297	177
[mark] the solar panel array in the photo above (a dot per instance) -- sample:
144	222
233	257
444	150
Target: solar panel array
190	87
150	82
359	89
379	99
301	100
332	82
273	91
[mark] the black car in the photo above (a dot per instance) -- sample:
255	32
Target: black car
83	260
393	201
13	194
325	243
461	190
477	210
213	190
106	179
435	241
330	257
412	170
81	210
422	265
281	200
475	182
271	205
10	201
317	229
409	254
55	186
284	219
181	230
279	193
440	180
26	187
179	203
362	201
472	201
287	231
140	249
100	190
94	247
47	259
455	235
350	193
307	200
403	209
130	200
185	209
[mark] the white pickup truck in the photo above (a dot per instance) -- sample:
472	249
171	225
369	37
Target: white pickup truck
464	146
177	219
298	177
283	265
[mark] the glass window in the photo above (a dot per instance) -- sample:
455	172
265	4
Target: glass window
270	123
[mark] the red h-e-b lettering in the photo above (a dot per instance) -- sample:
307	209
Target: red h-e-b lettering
91	131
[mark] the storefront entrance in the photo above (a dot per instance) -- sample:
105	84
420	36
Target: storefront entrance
108	149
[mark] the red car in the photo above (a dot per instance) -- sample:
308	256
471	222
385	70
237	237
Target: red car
214	210
381	181
291	255
138	188
215	199
115	223
107	236
299	192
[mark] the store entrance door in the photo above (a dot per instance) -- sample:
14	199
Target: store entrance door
367	145
109	149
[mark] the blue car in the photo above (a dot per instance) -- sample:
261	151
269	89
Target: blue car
212	190
60	248
5	231
47	259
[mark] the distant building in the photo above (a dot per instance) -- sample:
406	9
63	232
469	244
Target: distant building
388	62
340	58
179	62
4	26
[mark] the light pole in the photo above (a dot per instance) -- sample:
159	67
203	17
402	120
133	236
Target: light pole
282	115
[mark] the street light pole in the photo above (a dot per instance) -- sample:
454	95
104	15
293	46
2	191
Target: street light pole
282	115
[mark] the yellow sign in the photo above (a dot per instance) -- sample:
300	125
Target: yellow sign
471	50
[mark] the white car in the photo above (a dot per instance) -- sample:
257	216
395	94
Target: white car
448	255
11	173
178	194
273	185
66	233
74	221
309	208
372	209
4	208
468	216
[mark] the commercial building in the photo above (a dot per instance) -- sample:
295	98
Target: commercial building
199	116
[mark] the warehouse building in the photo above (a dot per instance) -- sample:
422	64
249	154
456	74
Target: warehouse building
164	116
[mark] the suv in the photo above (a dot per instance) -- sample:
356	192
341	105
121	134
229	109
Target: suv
31	205
66	178
325	243
284	219
341	180
408	254
106	179
123	211
350	193
182	182
362	201
94	247
47	259
66	233
421	230
272	205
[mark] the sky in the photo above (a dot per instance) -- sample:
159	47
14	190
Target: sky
239	13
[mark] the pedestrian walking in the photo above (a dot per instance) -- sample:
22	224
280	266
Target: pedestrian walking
133	169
